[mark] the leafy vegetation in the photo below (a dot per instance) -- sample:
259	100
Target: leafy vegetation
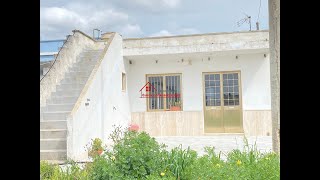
94	148
136	155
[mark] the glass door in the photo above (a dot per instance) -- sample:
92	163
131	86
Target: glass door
222	105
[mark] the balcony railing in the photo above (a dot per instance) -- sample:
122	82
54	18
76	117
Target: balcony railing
50	48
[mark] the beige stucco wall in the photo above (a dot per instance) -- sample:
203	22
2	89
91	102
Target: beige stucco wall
191	123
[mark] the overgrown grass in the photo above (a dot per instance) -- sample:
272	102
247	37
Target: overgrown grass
71	171
136	155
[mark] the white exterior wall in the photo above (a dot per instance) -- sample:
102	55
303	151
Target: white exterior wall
255	79
108	104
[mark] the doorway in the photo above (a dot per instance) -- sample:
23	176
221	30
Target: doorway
222	102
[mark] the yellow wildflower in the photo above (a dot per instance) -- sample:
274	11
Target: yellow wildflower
218	165
113	158
267	158
162	173
239	162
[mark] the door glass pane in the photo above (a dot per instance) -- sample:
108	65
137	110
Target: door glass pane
218	103
235	76
206	83
217	90
212	83
231	89
212	90
217	77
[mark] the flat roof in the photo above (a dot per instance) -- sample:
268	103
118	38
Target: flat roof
187	35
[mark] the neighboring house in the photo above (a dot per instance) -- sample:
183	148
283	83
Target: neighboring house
187	85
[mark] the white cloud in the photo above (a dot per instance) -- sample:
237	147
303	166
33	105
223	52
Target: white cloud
177	31
171	3
189	31
161	33
148	5
157	3
131	30
57	22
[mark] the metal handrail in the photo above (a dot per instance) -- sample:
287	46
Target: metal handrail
74	31
56	57
56	40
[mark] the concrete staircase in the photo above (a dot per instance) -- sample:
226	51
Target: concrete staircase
53	124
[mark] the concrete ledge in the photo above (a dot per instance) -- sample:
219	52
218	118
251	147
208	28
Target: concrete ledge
212	42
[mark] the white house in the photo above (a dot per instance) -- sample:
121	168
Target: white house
187	85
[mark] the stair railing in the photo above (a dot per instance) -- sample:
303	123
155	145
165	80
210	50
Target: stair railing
56	56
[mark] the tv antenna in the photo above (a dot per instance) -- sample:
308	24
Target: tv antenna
247	19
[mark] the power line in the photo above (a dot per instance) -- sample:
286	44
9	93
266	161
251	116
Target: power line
259	12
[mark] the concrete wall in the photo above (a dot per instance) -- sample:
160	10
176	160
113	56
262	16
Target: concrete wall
247	40
255	83
108	104
66	57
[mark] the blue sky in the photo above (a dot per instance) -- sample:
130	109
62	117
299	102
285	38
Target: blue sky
144	18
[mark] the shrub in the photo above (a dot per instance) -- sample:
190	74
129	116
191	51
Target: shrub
178	159
137	155
208	166
102	168
134	155
94	148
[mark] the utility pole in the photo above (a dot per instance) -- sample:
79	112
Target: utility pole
274	46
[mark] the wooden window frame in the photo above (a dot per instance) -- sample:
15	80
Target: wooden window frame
164	86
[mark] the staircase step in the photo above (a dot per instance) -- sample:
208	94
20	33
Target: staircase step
53	144
70	86
48	116
53	154
67	92
57	107
80	80
62	124
78	74
87	63
53	133
62	99
85	69
92	50
82	68
91	54
88	56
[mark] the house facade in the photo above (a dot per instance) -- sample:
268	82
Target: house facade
188	85
222	79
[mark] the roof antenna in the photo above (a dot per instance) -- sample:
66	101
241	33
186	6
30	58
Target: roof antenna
246	19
